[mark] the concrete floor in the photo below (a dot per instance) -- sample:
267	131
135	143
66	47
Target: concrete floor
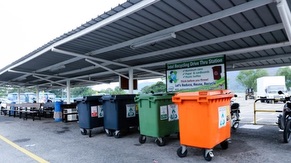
59	142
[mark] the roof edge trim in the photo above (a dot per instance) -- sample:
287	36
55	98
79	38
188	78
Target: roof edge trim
100	24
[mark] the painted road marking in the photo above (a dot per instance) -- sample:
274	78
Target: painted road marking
251	126
28	153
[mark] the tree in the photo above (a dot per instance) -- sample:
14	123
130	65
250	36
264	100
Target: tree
285	71
117	91
82	91
248	78
57	92
3	91
159	87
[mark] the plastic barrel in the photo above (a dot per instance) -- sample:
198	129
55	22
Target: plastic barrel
11	111
58	112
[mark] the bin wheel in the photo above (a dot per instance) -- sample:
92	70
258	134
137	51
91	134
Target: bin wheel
83	131
160	142
180	154
208	154
117	135
224	144
287	132
235	125
108	132
142	139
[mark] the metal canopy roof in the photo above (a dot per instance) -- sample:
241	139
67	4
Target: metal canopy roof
252	34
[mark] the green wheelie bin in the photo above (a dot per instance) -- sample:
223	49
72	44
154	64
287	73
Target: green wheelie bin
158	117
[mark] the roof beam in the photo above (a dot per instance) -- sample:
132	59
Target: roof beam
227	53
208	42
77	71
106	62
92	67
196	22
29	73
52	66
15	83
108	69
58	64
150	71
230	68
285	15
48	80
206	19
184	47
76	79
87	57
53	76
113	18
282	56
120	73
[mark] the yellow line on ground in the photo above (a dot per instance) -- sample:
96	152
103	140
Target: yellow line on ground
33	156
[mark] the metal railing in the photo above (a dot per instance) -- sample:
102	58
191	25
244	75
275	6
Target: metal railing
262	110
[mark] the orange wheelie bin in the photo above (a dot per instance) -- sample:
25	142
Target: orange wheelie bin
204	120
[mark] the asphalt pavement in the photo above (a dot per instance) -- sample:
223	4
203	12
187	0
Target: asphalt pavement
27	141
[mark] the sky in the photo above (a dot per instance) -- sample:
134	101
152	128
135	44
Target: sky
29	24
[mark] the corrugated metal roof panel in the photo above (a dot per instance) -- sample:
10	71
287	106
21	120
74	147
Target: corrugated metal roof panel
109	43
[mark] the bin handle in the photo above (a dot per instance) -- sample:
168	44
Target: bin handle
136	99
112	99
202	99
176	99
199	99
151	99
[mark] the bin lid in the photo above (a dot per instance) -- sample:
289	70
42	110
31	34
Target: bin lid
153	97
89	98
202	96
118	97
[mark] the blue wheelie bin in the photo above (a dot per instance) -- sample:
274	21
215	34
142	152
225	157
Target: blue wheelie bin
120	114
90	113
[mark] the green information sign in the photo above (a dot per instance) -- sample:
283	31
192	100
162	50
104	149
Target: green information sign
203	74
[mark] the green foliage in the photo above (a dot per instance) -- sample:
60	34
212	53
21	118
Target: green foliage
248	78
75	92
3	92
57	92
285	71
159	87
82	91
117	91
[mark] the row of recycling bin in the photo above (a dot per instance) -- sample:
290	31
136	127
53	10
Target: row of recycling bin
115	113
202	120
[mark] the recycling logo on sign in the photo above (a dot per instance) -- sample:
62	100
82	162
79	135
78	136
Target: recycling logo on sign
100	111
130	110
222	116
173	111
